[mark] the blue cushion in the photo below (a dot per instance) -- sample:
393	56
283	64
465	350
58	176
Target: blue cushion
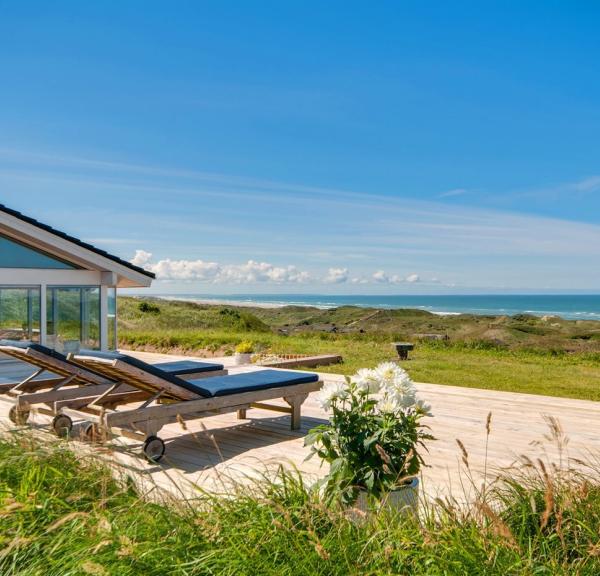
180	367
170	376
249	381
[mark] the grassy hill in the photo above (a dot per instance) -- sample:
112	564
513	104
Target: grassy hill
519	353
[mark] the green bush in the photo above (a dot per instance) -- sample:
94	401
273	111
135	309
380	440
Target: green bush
245	347
148	308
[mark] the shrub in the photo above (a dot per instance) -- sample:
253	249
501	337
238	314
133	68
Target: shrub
245	347
148	308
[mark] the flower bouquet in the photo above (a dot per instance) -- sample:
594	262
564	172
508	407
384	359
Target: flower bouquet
374	436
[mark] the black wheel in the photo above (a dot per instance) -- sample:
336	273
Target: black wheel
154	448
62	425
91	432
18	416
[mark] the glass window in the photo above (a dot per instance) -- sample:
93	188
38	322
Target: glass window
112	319
73	317
20	313
16	255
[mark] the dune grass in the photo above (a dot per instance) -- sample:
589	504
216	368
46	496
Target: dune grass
460	364
61	514
557	358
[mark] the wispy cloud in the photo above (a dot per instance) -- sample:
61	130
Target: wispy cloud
583	186
189	216
453	192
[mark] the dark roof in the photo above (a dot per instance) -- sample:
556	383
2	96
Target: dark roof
74	240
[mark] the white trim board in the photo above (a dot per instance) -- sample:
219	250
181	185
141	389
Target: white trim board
64	249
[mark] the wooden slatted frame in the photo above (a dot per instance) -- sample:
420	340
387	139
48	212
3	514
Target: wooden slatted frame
121	371
141	422
69	384
54	365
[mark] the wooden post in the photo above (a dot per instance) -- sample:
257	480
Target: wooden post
295	403
241	414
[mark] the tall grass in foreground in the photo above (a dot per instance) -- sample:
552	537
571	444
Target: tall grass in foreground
63	514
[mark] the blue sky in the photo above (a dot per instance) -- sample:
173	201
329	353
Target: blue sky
344	147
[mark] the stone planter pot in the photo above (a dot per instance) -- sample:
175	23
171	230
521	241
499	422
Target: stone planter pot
405	500
240	359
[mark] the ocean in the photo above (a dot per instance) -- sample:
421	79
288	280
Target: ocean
574	307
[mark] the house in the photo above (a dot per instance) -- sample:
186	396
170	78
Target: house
58	290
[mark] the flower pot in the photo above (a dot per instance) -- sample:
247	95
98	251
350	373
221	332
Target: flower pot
240	358
404	499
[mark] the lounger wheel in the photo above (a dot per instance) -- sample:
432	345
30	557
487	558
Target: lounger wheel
154	448
18	416
62	425
91	432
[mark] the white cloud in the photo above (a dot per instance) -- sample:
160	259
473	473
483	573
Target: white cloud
252	272
203	271
186	270
336	276
381	277
141	258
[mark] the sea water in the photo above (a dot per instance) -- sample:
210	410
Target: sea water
577	306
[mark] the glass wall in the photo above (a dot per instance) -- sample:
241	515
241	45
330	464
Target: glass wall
20	313
73	317
13	254
112	319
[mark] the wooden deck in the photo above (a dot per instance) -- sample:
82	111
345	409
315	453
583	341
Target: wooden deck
215	451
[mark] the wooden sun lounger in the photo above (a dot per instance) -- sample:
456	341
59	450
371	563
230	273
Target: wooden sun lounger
67	380
167	399
72	380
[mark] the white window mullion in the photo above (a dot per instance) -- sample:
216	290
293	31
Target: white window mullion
43	316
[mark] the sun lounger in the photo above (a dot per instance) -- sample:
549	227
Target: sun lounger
171	399
68	380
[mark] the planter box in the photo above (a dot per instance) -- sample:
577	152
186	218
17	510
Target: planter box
404	500
241	359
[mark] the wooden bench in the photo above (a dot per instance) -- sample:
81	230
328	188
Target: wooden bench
403	348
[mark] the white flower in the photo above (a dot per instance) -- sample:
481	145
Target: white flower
330	392
366	380
389	372
389	405
397	383
423	408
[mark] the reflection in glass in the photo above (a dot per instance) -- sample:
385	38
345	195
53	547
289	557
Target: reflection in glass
13	254
20	313
73	318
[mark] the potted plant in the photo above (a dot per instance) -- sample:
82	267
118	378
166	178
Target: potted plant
373	439
243	352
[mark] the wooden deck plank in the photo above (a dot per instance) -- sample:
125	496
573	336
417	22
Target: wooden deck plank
219	449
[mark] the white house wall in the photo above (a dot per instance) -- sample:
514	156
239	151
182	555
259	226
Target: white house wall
36	276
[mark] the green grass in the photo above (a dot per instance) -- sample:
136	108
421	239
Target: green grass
534	372
64	515
529	363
